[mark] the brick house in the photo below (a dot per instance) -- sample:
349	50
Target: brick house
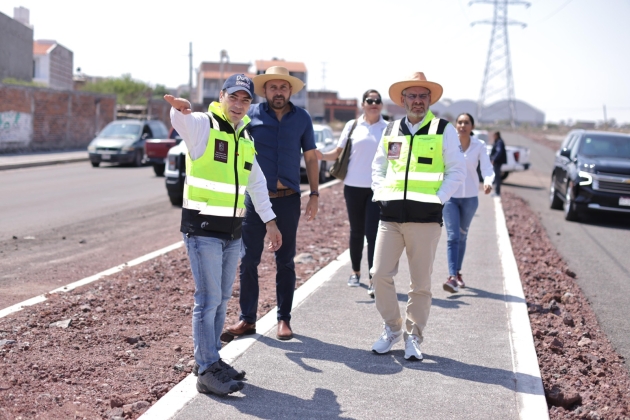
211	76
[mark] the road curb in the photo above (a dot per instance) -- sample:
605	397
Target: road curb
42	163
531	400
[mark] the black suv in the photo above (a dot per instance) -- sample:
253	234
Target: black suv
591	173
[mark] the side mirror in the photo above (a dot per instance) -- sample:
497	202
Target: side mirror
565	153
145	136
328	141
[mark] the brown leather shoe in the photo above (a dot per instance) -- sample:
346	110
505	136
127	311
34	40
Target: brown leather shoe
241	328
284	330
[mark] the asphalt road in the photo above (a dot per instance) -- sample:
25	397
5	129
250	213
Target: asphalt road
596	249
72	221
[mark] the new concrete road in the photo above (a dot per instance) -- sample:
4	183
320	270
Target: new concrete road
62	223
596	249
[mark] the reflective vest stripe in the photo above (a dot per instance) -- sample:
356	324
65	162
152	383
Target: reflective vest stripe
204	208
411	195
419	176
222	187
433	127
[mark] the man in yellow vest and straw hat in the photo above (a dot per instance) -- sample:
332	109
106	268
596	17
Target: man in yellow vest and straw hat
220	167
418	165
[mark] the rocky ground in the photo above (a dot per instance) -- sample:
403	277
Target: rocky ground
110	349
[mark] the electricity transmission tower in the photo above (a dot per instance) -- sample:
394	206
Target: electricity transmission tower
497	77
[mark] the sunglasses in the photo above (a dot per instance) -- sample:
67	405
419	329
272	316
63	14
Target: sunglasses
371	101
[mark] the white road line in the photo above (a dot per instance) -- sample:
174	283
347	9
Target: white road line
529	387
41	298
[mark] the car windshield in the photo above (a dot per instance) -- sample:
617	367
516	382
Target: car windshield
606	146
121	130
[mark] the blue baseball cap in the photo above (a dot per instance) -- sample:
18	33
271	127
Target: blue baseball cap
237	82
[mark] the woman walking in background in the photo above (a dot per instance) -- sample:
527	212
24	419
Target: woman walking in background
460	209
365	133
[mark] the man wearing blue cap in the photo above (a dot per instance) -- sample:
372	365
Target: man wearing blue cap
220	167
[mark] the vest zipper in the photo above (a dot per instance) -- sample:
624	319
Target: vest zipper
407	177
236	178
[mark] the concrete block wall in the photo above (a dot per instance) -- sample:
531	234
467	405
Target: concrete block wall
16	49
46	119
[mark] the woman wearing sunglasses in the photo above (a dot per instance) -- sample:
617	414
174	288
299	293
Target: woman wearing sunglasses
362	212
461	207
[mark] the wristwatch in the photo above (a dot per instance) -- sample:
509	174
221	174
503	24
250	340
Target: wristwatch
314	193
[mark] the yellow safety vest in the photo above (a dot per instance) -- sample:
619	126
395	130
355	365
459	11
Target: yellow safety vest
415	169
216	181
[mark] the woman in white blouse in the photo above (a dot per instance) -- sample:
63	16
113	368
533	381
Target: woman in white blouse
363	213
458	212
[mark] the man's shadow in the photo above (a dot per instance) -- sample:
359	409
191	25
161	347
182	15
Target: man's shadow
302	348
267	404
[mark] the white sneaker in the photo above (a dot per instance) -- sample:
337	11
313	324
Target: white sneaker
412	348
387	340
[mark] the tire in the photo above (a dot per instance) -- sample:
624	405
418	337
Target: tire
137	159
504	175
570	212
555	202
95	164
176	200
159	169
322	172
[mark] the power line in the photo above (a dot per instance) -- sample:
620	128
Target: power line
497	77
554	12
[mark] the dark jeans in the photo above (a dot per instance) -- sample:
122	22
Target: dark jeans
287	210
497	178
363	215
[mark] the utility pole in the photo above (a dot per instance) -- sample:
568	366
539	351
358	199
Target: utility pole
323	75
224	57
498	61
190	73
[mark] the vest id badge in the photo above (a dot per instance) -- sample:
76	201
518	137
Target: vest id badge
220	150
393	150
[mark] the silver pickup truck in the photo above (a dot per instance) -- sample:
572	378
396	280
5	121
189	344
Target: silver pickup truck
517	156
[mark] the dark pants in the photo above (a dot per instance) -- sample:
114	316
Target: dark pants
287	210
497	178
363	215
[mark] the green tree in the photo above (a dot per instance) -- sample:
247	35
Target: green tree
127	90
160	91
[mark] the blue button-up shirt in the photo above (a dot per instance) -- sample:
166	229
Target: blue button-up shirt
279	144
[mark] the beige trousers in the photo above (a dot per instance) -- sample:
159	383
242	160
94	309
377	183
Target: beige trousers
420	241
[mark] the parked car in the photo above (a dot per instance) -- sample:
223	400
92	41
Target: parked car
175	173
156	150
591	173
122	141
517	156
324	140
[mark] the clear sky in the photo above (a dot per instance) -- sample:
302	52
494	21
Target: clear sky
570	61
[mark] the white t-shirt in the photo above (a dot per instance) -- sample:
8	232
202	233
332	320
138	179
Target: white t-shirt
365	138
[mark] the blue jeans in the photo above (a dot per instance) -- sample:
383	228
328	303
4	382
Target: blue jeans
287	210
213	262
458	214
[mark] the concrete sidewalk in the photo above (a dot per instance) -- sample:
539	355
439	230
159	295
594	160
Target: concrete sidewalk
25	160
479	359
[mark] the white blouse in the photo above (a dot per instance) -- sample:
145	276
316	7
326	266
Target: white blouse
475	153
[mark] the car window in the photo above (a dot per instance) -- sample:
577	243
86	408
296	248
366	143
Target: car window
174	134
121	130
566	141
605	146
159	129
319	136
147	130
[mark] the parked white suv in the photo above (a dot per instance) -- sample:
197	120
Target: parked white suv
325	141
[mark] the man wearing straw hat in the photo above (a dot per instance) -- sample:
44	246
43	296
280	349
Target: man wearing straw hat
281	132
418	165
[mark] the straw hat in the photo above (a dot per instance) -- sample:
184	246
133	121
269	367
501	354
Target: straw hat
276	73
417	79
